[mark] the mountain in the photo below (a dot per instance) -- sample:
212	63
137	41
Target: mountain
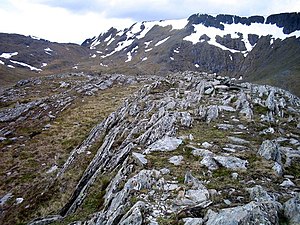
187	148
22	57
154	124
260	49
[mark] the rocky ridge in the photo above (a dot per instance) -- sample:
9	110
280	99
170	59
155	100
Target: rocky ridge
191	148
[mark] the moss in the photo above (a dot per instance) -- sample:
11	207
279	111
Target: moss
171	220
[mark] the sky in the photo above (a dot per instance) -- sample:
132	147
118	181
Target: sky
76	20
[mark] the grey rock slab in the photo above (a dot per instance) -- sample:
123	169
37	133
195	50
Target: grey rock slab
212	113
287	183
238	140
226	108
193	221
165	144
232	162
176	160
270	151
292	210
263	213
209	162
134	216
140	158
4	199
225	126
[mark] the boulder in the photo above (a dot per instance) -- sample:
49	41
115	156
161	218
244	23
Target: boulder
231	162
270	151
165	144
176	160
292	210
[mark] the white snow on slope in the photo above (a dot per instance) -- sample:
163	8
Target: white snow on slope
44	64
8	55
233	29
144	59
2	63
10	66
148	50
162	41
94	56
48	49
147	44
129	57
25	65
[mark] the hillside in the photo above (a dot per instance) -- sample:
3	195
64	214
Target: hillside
188	148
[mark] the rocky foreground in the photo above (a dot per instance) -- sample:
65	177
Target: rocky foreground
190	148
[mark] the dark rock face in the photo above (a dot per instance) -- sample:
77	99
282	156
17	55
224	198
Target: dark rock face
232	43
289	21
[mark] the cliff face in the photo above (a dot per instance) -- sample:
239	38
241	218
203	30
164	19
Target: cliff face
191	148
259	49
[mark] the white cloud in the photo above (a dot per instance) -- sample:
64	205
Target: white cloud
55	23
76	20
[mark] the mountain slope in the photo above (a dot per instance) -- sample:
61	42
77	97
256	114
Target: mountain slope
235	46
23	56
188	148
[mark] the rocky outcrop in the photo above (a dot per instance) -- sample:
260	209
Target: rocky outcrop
176	152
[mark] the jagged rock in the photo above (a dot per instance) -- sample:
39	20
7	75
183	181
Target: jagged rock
176	160
258	193
186	119
13	113
226	108
46	220
287	183
206	145
251	213
232	162
243	104
140	158
209	162
193	221
134	216
165	144
212	113
278	168
292	210
270	151
164	171
4	199
225	126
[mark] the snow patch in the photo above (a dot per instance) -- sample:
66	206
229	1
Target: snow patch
129	57
161	42
147	44
34	37
48	49
8	55
171	58
144	59
101	64
75	67
230	57
254	28
25	65
176	51
2	63
148	50
44	64
94	56
10	66
196	65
